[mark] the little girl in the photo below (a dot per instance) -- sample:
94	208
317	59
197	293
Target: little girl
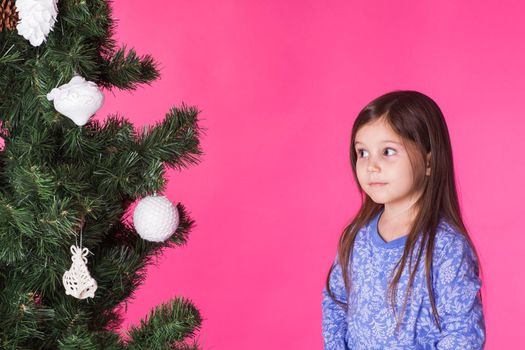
406	273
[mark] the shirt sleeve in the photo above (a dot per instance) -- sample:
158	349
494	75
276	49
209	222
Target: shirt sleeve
456	287
334	316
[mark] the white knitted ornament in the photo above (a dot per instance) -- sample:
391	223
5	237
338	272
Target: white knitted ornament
37	19
77	280
78	100
155	218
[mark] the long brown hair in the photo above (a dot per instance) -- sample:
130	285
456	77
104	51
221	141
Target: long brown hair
418	120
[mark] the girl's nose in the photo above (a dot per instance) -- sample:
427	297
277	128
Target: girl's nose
373	164
373	169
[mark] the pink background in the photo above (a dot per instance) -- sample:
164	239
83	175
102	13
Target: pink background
279	85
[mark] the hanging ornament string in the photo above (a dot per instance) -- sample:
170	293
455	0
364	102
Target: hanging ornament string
80	234
80	238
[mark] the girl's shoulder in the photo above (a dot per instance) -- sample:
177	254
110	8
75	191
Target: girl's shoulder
450	242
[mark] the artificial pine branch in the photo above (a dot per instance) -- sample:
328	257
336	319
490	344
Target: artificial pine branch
175	141
166	326
128	70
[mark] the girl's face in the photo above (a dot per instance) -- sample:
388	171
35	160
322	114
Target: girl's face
383	166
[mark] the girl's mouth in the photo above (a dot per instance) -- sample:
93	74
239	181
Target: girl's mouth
377	184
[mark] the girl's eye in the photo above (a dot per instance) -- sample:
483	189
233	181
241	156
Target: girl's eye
359	150
391	149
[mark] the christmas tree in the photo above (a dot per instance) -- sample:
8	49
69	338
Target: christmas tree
69	260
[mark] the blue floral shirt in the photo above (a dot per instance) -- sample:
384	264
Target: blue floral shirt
370	323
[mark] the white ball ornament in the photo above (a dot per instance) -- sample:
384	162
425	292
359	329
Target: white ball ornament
37	19
78	100
155	218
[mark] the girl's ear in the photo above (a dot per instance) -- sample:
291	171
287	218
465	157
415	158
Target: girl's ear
428	163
